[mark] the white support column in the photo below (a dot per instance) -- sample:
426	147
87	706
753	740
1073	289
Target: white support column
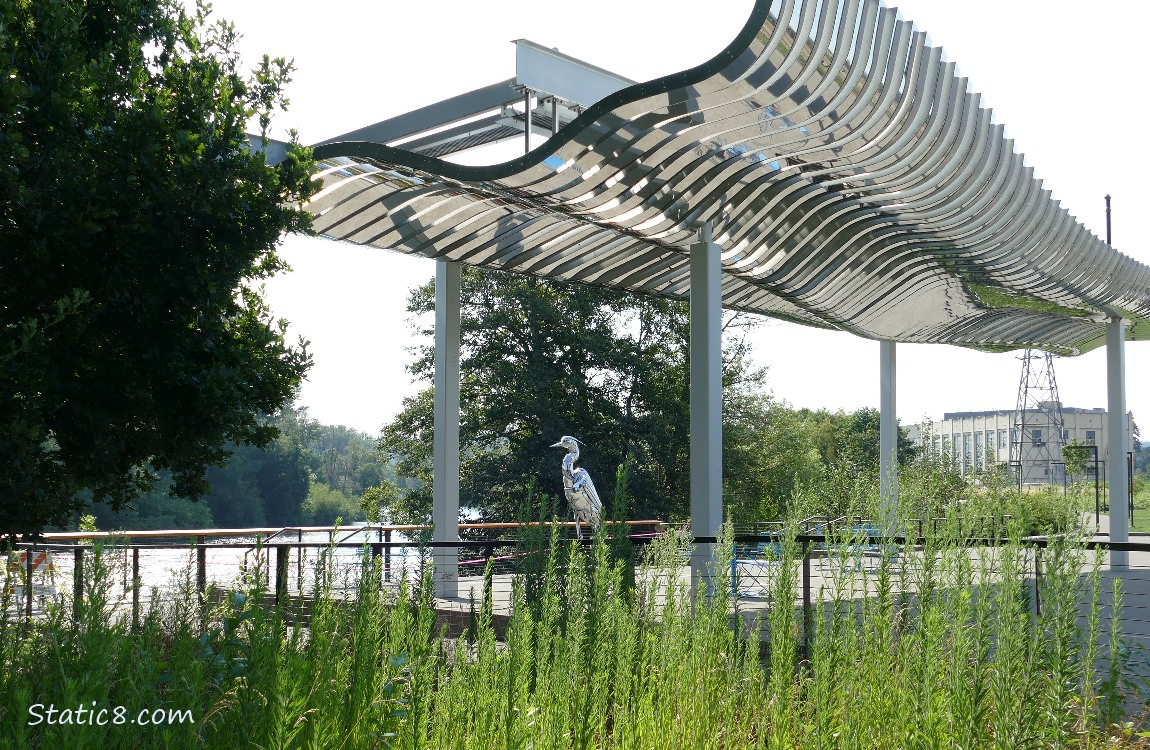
706	405
1116	438
887	438
445	490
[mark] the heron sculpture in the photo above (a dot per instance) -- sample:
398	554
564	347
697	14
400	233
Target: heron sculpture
579	489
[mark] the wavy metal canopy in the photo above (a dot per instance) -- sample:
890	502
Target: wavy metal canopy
849	173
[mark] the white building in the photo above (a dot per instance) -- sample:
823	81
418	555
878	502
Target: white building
974	440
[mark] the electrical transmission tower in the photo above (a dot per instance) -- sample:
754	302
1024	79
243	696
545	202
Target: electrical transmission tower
1037	433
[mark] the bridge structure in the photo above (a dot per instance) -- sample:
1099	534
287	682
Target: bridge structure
828	167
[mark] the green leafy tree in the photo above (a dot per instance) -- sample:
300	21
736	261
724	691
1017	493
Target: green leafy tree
325	505
815	462
338	456
541	359
1077	457
136	224
254	487
377	502
930	485
234	490
768	454
284	480
1142	459
346	459
155	509
852	436
265	486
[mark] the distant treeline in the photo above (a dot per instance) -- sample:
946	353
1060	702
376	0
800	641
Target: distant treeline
311	475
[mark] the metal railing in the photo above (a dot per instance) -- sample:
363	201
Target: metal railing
221	557
339	553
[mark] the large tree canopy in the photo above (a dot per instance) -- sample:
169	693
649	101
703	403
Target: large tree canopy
541	359
135	224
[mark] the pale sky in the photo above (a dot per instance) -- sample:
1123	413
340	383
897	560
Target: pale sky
1062	77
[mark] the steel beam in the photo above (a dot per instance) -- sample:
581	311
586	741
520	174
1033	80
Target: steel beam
526	121
888	438
274	151
706	406
548	70
434	116
445	487
1116	437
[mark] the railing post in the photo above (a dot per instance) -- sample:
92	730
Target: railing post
323	567
299	561
329	561
135	588
1097	492
202	577
1037	580
806	598
201	566
29	554
387	555
77	581
1097	502
281	572
488	588
201	569
1130	483
489	553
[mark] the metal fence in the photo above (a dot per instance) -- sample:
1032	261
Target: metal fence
138	568
825	560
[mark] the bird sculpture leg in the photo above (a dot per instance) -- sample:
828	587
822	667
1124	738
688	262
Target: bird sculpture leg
578	531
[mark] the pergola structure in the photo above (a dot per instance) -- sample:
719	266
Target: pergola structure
828	167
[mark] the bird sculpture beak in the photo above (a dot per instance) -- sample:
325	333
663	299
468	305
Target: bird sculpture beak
558	445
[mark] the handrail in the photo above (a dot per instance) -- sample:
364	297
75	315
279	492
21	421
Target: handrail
273	530
807	547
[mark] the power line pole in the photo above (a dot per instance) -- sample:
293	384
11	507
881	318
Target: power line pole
1037	433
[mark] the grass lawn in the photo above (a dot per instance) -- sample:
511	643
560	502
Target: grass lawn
1084	501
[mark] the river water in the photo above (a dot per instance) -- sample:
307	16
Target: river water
172	569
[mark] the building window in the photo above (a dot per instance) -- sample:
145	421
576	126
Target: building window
1002	439
967	452
1091	437
978	456
1066	436
1036	438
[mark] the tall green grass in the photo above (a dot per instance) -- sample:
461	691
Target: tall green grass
938	646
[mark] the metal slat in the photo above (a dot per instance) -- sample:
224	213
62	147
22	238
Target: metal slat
847	170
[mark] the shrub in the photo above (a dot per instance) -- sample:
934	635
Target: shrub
324	505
